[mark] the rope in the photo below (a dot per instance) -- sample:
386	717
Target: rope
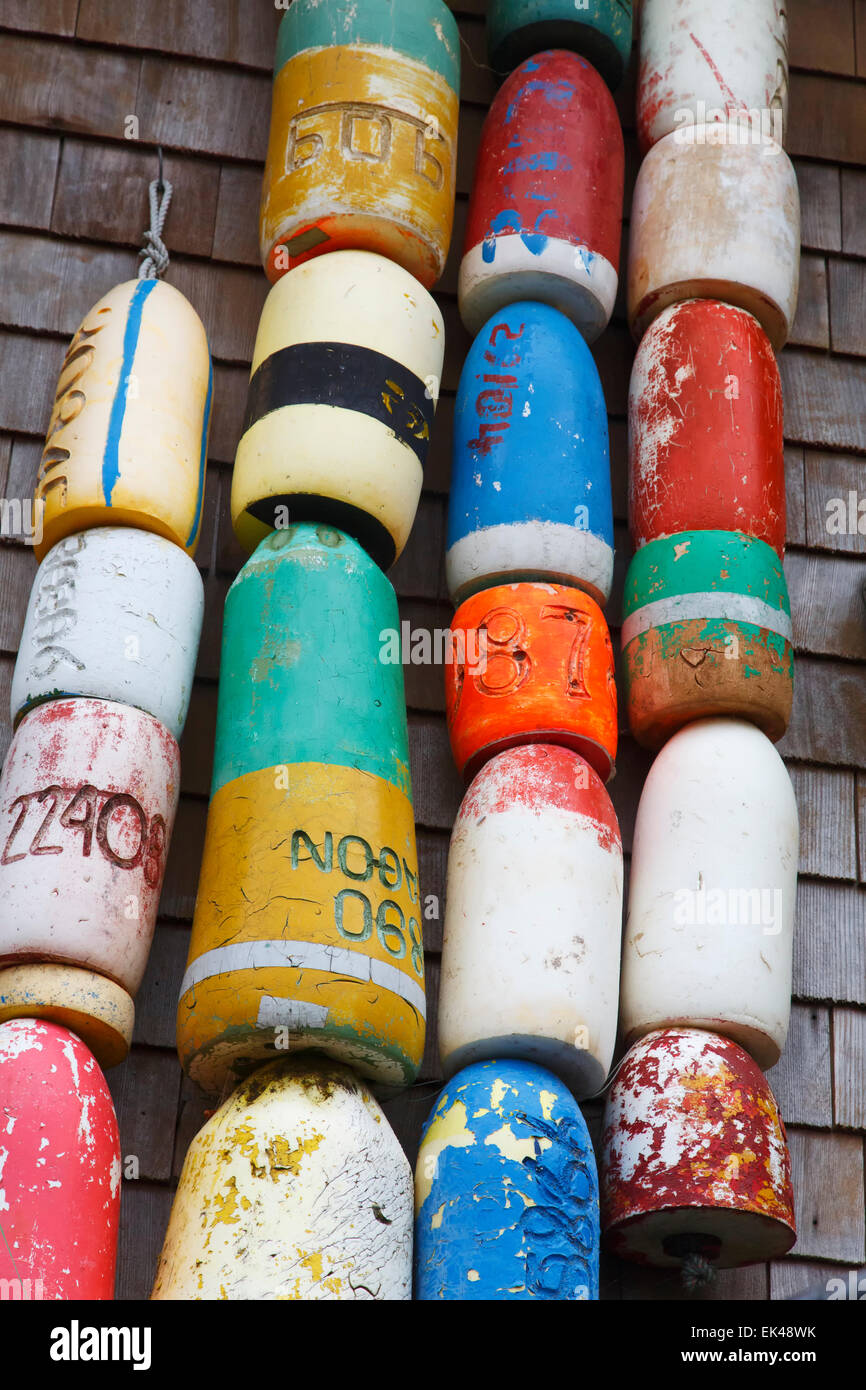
154	255
697	1272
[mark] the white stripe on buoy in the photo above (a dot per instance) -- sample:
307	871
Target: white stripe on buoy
683	608
580	282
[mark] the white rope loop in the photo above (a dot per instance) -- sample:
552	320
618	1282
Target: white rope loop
154	253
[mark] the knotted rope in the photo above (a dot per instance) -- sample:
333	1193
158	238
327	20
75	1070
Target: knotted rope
154	255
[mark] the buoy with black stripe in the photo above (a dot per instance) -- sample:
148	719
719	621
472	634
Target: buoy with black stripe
127	438
307	928
706	631
363	142
343	389
600	30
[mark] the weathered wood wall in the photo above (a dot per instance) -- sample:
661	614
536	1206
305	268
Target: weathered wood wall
73	204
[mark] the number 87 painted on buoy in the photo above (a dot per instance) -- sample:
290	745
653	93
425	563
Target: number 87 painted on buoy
534	663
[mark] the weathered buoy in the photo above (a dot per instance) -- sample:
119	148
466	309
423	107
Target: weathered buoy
546	205
715	219
60	1156
600	30
706	451
307	928
344	383
530	482
363	144
297	1188
533	919
533	664
506	1191
88	796
713	881
114	613
98	1010
706	631
127	438
701	62
695	1164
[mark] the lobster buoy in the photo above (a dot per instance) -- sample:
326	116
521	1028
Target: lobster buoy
706	631
530	958
297	1188
546	204
98	1010
600	30
344	383
695	1168
701	62
530	482
127	438
710	929
705	427
60	1154
363	145
506	1191
114	613
88	796
533	664
307	927
715	219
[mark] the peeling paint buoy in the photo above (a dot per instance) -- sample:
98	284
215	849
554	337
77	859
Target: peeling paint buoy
60	1158
99	1011
706	451
530	482
506	1191
695	1161
343	389
533	919
599	30
715	218
706	631
710	930
88	796
545	209
725	63
297	1188
533	664
115	613
363	143
307	927
127	438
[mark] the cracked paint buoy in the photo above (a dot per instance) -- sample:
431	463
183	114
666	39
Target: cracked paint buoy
600	30
506	1191
127	438
114	613
533	663
714	218
706	631
88	796
533	919
60	1166
297	1188
343	389
363	144
307	927
545	209
710	929
706	451
695	1160
530	482
703	62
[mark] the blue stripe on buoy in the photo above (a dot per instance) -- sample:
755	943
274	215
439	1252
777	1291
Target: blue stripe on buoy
110	459
202	463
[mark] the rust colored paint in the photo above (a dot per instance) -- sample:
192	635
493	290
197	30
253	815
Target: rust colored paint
695	1156
705	427
533	664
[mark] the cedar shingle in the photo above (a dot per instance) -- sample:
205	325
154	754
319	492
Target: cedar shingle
823	399
830	942
791	1277
436	788
848	305
828	720
811	326
849	1067
825	797
833	516
820	205
144	1213
854	209
66	86
425	683
825	119
17	568
184	858
795	496
39	16
828	604
818	44
28	168
236	234
145	1090
29	367
229	31
800	1080
209	110
56	282
156	1001
828	1194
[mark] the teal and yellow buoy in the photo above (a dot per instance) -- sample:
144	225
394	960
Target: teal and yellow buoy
599	30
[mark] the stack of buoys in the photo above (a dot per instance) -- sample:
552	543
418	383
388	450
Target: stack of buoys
696	1170
305	976
506	1181
90	785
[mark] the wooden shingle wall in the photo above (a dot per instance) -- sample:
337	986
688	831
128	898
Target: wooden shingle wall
73	204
